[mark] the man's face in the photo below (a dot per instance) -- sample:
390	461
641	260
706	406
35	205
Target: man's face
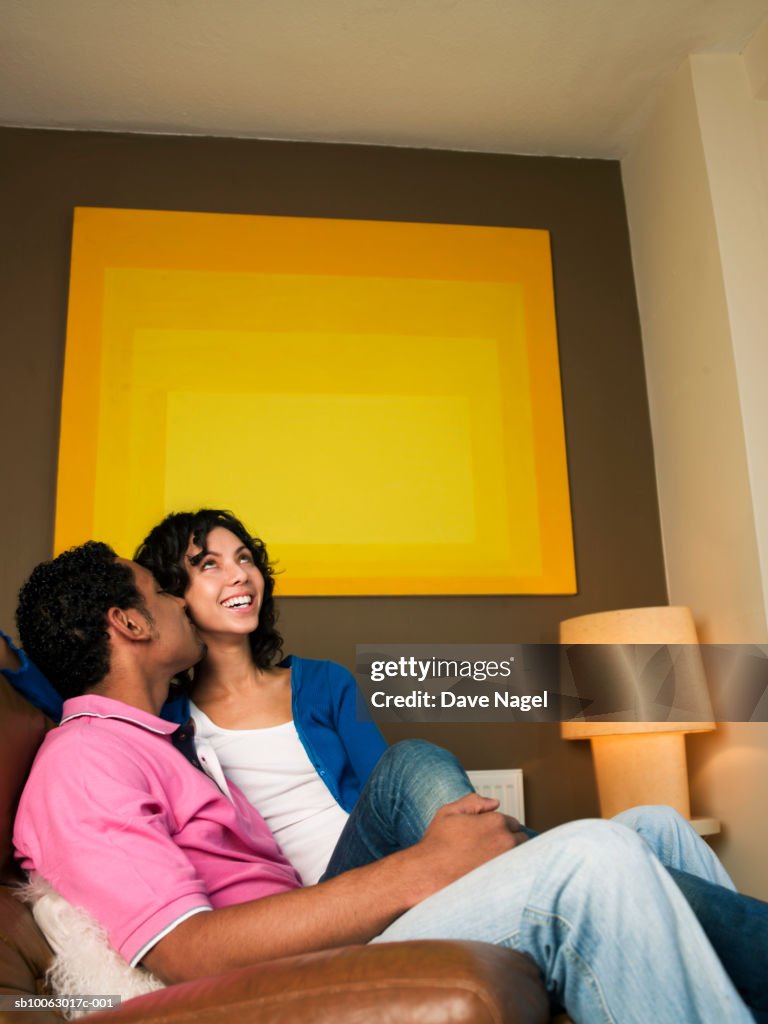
176	639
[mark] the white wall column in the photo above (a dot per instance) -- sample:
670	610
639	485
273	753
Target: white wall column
697	202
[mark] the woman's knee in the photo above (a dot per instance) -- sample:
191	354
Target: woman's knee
423	775
416	755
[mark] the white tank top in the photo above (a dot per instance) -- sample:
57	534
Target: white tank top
273	770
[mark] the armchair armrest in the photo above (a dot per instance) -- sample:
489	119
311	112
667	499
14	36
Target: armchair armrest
460	982
407	982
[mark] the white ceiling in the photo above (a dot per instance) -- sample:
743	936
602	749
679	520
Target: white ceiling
567	77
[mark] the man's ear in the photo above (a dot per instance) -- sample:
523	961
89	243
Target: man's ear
129	623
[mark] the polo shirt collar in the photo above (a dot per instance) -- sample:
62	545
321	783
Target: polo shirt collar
93	706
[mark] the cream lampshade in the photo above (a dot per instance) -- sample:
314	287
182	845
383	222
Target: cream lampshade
637	762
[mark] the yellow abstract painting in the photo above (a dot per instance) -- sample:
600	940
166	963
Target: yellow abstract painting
379	401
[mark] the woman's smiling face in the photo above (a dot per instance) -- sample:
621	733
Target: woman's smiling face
225	588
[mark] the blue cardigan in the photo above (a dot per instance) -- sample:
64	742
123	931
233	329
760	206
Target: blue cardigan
330	716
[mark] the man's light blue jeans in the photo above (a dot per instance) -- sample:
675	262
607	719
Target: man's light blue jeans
591	902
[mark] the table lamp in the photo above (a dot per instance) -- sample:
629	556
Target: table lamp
638	762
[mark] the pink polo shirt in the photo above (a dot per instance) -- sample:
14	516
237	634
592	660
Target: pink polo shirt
120	823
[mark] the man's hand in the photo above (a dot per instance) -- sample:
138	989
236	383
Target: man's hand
474	803
462	836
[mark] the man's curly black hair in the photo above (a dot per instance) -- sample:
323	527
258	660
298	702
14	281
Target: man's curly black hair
163	552
62	614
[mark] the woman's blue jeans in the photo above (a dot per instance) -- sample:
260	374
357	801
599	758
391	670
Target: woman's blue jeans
414	779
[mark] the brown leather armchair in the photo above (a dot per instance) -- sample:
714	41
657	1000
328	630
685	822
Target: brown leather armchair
410	982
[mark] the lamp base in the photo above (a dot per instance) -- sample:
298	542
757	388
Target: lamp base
641	768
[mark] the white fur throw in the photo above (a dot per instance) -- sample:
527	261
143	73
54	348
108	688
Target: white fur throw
84	963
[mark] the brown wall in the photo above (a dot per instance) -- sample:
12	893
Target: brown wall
43	175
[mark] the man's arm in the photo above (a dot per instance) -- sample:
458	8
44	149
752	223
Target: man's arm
351	908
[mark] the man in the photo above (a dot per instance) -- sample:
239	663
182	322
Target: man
187	880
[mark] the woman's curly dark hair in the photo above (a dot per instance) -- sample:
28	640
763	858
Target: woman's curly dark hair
163	551
62	614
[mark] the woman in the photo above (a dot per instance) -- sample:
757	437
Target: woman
286	732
